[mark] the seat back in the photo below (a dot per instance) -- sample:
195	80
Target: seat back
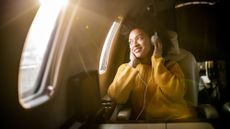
189	66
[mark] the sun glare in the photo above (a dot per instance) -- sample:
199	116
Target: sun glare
36	45
59	3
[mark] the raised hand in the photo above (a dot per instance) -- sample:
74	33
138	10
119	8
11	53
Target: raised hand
133	60
157	47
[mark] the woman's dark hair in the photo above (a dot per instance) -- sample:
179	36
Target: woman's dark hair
164	37
132	23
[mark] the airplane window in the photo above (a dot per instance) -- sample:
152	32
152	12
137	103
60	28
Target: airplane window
36	49
107	45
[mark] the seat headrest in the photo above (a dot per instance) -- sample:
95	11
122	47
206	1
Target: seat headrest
175	52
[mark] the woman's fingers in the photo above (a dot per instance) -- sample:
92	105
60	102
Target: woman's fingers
131	56
133	60
157	47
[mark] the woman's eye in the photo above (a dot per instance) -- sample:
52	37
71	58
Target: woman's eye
140	38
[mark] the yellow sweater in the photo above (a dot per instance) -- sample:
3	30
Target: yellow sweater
164	97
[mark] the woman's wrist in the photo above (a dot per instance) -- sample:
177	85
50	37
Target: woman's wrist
133	63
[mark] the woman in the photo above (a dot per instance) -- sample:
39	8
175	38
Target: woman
155	87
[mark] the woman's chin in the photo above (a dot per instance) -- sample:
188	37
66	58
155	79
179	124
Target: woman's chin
141	55
138	55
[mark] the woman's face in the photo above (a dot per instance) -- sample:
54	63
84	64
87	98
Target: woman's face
139	43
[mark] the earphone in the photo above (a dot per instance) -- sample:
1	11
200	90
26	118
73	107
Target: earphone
154	38
145	93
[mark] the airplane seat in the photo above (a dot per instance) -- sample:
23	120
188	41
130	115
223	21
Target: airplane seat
189	66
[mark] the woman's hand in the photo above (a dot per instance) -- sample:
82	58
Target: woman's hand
157	48
133	60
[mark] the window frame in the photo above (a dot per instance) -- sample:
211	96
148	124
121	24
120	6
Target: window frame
111	36
46	83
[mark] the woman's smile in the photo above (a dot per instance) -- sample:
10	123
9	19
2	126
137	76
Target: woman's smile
137	49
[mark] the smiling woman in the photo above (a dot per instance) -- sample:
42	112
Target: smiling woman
60	59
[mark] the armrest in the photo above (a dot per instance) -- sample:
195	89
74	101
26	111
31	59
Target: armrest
124	113
106	102
208	111
107	107
121	112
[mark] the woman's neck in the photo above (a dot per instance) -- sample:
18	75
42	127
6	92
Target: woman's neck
147	58
146	61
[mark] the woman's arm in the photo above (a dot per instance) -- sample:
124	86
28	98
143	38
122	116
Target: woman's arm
123	83
169	77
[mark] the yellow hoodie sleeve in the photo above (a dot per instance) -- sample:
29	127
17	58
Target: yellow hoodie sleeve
123	83
169	78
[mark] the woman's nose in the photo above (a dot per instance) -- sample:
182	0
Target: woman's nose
135	43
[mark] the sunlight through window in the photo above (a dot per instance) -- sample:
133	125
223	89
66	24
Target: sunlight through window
36	47
107	45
